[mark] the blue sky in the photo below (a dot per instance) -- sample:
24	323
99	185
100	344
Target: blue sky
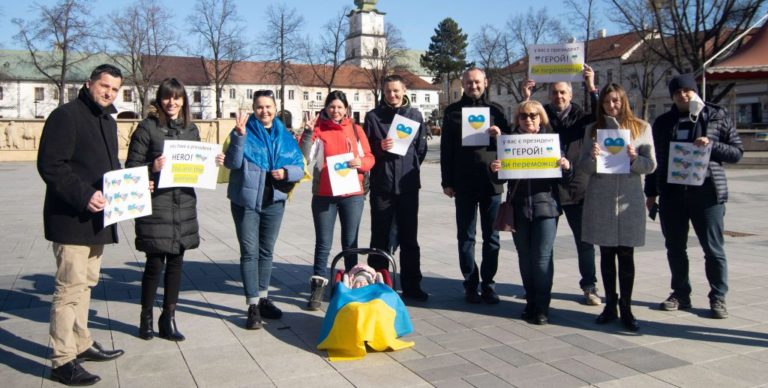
417	19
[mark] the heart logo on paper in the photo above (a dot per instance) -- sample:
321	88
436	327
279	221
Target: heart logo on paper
476	121
549	149
614	146
403	131
341	168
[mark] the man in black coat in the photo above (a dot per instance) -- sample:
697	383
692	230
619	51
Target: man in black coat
78	145
569	121
705	125
466	177
395	184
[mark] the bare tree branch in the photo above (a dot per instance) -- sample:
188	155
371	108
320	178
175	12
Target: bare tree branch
327	56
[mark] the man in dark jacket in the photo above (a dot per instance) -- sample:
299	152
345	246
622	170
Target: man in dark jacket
395	184
691	120
78	145
466	177
569	120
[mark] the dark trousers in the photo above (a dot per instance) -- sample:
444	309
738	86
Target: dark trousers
699	206
626	258
586	251
402	209
467	206
324	211
153	269
534	240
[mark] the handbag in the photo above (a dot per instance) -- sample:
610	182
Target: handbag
505	217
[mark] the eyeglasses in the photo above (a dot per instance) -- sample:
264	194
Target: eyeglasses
264	93
523	116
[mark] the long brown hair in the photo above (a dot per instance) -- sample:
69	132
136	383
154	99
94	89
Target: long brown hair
626	118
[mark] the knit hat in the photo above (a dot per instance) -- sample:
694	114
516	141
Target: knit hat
683	81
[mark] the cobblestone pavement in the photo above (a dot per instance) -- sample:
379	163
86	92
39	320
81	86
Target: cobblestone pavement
457	345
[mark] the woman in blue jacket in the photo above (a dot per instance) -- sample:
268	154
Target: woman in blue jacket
266	163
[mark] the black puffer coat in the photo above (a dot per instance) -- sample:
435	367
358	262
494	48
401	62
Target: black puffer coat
173	223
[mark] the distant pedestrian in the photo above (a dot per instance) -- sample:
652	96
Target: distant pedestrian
78	145
614	216
467	179
265	163
691	120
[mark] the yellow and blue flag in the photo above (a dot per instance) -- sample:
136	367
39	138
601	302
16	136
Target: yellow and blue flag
373	315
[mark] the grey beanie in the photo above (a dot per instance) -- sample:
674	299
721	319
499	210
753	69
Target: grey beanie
683	81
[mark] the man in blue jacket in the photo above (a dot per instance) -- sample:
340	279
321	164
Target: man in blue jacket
691	120
395	183
78	145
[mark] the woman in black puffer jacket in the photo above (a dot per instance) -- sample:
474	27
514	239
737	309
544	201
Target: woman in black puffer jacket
172	228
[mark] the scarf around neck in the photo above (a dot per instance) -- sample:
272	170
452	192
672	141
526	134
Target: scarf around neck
271	149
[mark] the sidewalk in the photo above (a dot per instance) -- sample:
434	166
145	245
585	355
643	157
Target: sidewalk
457	345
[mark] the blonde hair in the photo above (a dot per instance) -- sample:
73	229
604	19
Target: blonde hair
626	118
536	107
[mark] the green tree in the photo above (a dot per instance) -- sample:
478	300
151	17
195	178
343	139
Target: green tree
447	54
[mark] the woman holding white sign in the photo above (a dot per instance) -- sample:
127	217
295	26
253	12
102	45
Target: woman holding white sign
614	205
172	227
340	152
536	205
265	163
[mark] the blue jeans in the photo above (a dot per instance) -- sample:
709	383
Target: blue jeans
699	205
257	232
534	240
467	205
586	251
324	209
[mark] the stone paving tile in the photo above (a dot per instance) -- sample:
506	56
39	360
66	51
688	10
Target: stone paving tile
740	367
587	343
698	376
511	355
486	380
484	360
392	374
535	371
452	383
606	366
448	372
644	359
582	371
559	380
637	381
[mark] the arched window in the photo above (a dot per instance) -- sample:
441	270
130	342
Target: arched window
375	52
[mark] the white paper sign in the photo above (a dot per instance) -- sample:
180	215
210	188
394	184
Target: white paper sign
613	157
474	125
529	156
403	131
127	195
189	164
556	62
343	178
688	163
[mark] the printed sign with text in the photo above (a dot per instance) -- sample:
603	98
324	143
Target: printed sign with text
688	163
529	156
189	164
556	62
127	194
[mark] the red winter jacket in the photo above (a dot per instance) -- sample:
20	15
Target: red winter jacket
340	139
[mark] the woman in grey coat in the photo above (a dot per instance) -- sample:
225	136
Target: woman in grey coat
614	205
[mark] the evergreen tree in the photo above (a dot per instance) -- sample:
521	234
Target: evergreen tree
447	54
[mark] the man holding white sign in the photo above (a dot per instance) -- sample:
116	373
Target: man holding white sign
704	125
395	132
467	178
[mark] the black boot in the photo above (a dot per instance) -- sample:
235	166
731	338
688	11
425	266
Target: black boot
627	319
146	332
167	325
72	373
609	313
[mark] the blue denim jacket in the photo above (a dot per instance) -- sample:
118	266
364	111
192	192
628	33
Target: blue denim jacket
246	180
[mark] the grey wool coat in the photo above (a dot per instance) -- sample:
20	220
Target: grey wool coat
614	204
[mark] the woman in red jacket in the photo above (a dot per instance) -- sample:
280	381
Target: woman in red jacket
334	133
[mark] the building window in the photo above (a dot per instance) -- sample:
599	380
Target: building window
426	98
597	78
71	93
278	94
498	89
652	111
197	115
290	94
368	97
1	92
39	94
249	93
128	95
197	96
413	97
357	96
306	96
232	115
319	96
232	94
609	76
55	94
375	52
